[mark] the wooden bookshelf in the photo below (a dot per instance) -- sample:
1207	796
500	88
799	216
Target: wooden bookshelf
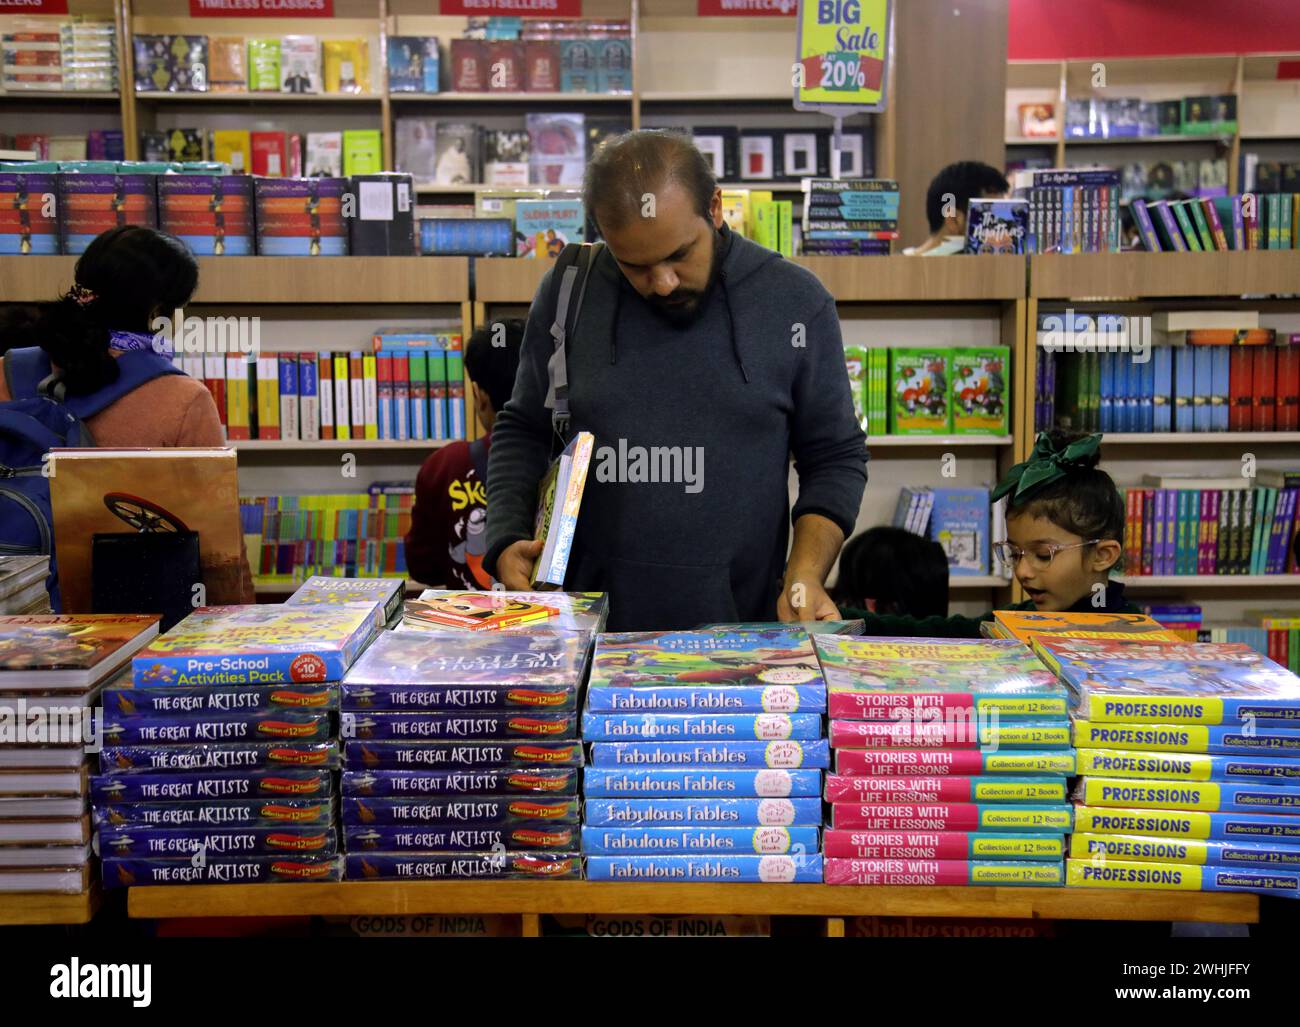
270	280
900	279
937	441
357	898
508	279
577	99
1130	276
336	445
322	99
42	908
1206	438
1216	581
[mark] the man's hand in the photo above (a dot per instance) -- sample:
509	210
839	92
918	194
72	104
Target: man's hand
515	565
804	598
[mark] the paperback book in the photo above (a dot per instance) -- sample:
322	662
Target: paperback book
478	781
709	812
641	841
943	873
789	754
1219	739
959	845
714	657
1167	823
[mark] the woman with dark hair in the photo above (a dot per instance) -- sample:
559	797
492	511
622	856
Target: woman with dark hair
79	345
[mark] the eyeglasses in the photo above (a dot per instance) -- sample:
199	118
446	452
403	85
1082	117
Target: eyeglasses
1040	555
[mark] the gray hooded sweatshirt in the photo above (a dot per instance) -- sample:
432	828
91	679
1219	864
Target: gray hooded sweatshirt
757	377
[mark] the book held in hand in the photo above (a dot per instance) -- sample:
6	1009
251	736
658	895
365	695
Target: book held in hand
557	514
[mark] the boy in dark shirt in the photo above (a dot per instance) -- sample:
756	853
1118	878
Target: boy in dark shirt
447	540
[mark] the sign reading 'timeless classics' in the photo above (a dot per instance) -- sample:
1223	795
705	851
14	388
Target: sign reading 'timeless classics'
261	8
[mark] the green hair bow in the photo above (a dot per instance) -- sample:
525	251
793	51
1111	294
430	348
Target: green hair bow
1046	464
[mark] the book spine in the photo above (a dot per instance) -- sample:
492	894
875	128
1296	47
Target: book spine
1207	796
1240	373
1187	766
1286	362
942	873
720	699
342	390
1223	538
800	812
456	419
214	377
959	845
401	396
357	404
1193	852
653	841
1132	522
237	420
419	371
370	396
803	868
1216	226
1094	873
325	384
1228	739
288	371
1148	531
614	727
384	390
309	414
436	362
951	816
482	781
662	782
931	788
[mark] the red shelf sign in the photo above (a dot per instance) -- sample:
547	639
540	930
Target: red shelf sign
513	8
261	8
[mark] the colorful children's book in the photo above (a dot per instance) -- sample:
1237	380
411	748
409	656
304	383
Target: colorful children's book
544	227
959	762
1167	823
1121	680
1050	818
718	699
997	226
728	782
257	645
317	590
943	873
800	812
364	755
1210	796
411	660
941	845
475	611
920	390
567	611
627	841
1024	625
1154	849
782	755
442	866
979	390
704	658
972	732
959	522
763	727
559	503
1224	739
1109	873
1188	766
55	652
481	781
931	788
895	679
805	868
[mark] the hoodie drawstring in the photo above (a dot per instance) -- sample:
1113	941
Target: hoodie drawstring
731	321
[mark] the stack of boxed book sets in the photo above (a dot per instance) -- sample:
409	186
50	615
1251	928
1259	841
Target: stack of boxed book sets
53	671
461	751
1189	763
707	751
951	760
218	754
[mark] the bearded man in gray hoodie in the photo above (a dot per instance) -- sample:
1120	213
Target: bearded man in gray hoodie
701	362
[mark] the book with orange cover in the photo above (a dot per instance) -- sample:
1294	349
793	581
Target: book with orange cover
1024	624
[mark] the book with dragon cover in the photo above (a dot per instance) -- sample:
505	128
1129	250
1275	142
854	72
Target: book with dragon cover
782	656
475	611
1130	681
897	678
573	611
1024	624
68	652
410	659
257	645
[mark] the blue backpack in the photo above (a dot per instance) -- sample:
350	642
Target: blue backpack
36	419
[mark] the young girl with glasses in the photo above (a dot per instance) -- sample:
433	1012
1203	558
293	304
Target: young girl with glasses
1065	530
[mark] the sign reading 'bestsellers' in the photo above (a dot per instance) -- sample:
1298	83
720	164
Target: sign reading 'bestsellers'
843	49
33	6
515	8
261	8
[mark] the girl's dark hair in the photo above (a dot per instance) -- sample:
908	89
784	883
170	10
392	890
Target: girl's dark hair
904	573
1085	502
125	276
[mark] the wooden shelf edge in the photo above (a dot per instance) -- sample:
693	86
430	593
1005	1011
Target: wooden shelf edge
47	908
1223	438
1213	581
557	897
1137	276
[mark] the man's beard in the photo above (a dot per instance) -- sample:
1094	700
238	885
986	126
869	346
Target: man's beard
682	307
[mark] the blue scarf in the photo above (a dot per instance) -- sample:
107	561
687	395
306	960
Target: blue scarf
129	341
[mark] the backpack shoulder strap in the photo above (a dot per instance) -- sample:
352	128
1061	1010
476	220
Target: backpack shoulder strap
28	374
26	370
572	271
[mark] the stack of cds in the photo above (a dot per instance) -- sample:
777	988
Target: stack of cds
53	670
951	759
217	760
707	750
461	756
1189	756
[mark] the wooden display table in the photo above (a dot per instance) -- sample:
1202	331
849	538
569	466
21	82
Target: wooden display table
47	908
533	898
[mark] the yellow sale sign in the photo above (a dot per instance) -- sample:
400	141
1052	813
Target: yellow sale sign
843	50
